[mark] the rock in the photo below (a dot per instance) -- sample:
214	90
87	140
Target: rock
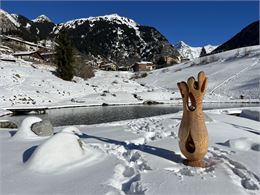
8	125
42	128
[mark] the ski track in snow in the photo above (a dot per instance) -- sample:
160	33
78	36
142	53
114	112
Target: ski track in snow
234	76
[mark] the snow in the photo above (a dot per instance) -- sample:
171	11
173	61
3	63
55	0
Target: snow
10	17
115	18
41	19
24	131
134	157
61	152
209	48
229	76
27	25
139	156
251	113
4	112
190	52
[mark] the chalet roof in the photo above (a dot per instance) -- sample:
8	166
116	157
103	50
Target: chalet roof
144	62
24	53
48	53
25	42
28	53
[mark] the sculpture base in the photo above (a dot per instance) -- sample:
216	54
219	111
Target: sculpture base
199	163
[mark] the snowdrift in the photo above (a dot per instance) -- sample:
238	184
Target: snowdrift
61	152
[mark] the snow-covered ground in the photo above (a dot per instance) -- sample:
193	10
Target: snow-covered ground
233	76
138	156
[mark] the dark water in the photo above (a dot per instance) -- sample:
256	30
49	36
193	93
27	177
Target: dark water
95	115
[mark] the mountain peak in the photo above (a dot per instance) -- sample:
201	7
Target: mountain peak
190	52
42	18
10	17
181	44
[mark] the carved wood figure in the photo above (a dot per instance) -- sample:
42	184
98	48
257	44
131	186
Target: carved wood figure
193	134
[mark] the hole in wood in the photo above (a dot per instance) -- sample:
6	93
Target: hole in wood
196	85
191	102
190	146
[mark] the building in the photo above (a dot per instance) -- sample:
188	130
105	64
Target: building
26	44
48	56
29	55
143	66
108	67
166	61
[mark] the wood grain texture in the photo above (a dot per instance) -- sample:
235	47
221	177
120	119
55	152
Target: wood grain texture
193	134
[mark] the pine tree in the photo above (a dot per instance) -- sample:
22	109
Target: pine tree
203	52
64	56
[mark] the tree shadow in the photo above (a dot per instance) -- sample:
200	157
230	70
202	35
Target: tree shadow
160	152
27	153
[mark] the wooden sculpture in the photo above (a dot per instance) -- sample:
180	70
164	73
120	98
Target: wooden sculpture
193	134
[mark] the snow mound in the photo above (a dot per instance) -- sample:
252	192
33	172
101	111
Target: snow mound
243	144
24	131
252	113
61	152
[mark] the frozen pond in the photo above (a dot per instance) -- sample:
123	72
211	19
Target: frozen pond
102	114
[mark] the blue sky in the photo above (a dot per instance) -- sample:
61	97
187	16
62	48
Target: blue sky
196	23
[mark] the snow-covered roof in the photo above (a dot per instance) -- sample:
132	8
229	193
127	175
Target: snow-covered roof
144	62
25	42
25	53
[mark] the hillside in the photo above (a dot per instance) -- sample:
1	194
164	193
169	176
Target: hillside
232	75
248	36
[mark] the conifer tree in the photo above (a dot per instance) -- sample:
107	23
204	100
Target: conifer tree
203	52
64	56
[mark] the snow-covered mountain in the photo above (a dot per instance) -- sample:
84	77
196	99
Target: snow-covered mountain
41	19
111	37
117	39
29	30
190	52
8	21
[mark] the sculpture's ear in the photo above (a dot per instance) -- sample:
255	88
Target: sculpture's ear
204	85
191	83
183	87
202	81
